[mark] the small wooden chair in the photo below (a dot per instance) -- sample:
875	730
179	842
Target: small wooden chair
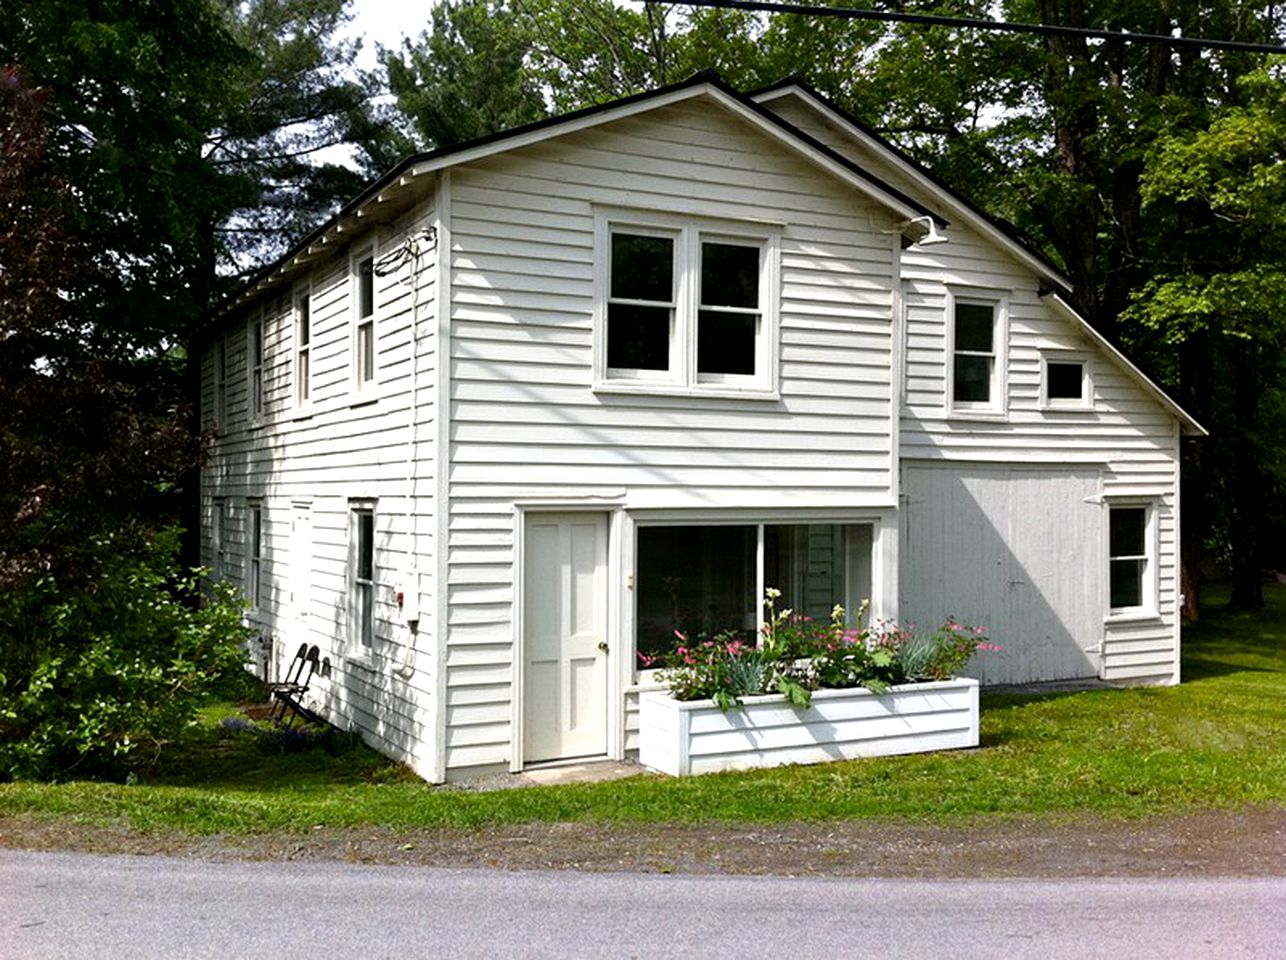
289	693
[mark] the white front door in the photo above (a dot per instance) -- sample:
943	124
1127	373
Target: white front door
564	636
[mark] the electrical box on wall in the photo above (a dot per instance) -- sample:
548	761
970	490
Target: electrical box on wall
408	596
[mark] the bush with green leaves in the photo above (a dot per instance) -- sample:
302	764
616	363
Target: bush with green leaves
95	681
796	655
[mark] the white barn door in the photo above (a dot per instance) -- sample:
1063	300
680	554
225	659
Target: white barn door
564	636
1015	549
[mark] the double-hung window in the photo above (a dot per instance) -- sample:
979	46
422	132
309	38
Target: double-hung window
303	347
221	383
254	581
362	579
254	349
686	306
976	367
364	321
1131	563
219	537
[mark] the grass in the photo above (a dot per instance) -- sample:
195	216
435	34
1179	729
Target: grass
1217	741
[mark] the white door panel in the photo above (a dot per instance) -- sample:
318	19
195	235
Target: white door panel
564	636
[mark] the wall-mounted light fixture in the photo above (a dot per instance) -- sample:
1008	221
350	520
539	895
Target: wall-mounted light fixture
931	234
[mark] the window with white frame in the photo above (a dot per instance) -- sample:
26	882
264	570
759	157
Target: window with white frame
221	382
1065	381
254	580
686	304
254	348
303	346
218	538
977	332
362	575
1131	562
705	580
364	321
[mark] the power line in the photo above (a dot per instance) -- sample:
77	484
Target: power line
999	26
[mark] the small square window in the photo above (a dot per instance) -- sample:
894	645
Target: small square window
1066	380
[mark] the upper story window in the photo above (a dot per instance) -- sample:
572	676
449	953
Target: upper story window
221	382
364	321
976	368
254	348
686	306
1065	381
303	347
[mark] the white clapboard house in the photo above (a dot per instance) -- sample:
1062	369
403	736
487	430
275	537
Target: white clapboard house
532	403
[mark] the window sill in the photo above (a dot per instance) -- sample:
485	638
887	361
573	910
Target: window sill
711	391
979	416
302	413
363	661
1133	616
365	398
1067	408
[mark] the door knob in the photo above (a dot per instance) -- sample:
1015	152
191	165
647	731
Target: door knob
602	645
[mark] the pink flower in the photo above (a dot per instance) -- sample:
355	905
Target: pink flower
679	634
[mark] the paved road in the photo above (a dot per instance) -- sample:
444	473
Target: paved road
73	905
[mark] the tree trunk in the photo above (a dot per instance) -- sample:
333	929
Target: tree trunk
1245	487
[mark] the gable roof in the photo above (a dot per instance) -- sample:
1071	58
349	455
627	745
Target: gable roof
339	229
998	231
355	215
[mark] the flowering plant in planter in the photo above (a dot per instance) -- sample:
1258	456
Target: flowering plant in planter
796	655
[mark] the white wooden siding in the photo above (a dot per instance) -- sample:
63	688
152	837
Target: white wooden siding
333	453
525	423
1126	431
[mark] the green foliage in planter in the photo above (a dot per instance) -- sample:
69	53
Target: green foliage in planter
94	681
797	655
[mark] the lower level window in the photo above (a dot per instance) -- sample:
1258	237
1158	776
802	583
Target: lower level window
363	581
706	580
254	583
1128	558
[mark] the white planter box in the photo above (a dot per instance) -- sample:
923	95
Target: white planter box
694	736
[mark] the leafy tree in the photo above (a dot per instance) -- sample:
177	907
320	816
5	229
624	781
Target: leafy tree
98	650
467	76
1224	278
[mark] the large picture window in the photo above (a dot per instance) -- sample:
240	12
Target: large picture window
686	307
707	580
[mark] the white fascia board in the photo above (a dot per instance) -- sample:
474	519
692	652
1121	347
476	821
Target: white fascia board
597	118
958	211
1186	421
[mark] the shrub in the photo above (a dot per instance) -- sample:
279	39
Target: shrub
99	679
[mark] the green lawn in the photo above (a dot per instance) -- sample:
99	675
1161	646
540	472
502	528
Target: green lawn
1216	741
